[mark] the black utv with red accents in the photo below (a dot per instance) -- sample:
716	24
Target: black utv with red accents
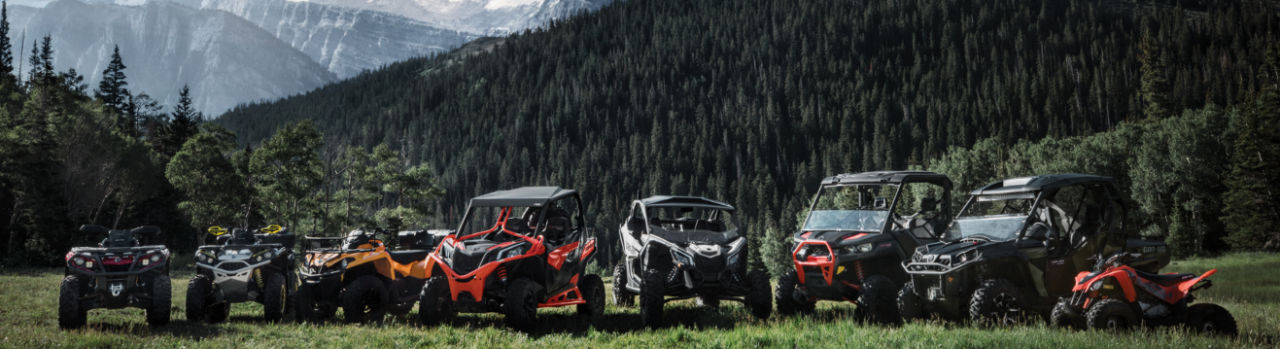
516	251
684	247
859	228
121	272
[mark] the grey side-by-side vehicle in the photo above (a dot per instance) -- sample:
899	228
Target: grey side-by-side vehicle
859	229
684	247
1017	246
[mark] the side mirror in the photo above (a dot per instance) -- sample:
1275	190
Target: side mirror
928	204
635	224
217	230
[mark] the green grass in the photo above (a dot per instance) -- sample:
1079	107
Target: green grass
1246	284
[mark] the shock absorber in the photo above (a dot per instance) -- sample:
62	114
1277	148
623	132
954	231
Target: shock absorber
857	265
502	272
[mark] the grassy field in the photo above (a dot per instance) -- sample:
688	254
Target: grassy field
1246	284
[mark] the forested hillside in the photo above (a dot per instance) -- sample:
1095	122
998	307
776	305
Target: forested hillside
753	102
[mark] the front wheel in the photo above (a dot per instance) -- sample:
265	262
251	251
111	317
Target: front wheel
273	297
1065	316
521	304
592	289
1111	314
158	310
365	300
758	299
621	297
910	306
198	298
71	314
789	299
878	303
652	298
1212	319
996	302
435	303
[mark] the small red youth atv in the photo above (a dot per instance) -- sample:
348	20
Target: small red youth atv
1121	297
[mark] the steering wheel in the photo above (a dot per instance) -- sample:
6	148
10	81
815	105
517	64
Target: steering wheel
918	221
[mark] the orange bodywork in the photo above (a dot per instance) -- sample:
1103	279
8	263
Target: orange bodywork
378	257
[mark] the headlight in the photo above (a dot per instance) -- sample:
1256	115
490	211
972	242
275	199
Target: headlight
682	258
510	253
88	264
78	260
864	248
155	258
146	261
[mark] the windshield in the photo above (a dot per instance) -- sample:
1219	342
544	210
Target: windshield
995	219
520	220
681	219
852	207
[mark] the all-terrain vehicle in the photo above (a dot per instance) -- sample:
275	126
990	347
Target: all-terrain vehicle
244	266
1118	296
119	273
362	275
859	229
684	247
516	251
1015	247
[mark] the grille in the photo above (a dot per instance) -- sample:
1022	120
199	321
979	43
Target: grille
816	250
115	268
465	263
233	266
709	265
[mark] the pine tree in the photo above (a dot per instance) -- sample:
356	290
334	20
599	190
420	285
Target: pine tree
1250	211
1155	86
113	89
7	79
183	123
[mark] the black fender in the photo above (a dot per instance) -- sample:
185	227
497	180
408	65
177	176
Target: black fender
656	255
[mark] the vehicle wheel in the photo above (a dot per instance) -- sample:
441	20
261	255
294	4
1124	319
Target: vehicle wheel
652	298
878	303
70	312
273	297
435	303
759	299
1212	319
158	311
1064	315
521	304
1111	314
365	300
910	306
198	291
709	302
218	312
304	303
621	297
789	301
593	292
996	302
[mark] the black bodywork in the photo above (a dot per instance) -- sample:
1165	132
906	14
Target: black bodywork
240	267
841	262
1059	235
121	272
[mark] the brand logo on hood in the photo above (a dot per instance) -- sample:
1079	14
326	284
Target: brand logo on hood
116	288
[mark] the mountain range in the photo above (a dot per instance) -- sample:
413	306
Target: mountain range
238	51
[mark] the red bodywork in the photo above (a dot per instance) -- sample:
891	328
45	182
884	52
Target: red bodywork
1127	277
473	282
825	264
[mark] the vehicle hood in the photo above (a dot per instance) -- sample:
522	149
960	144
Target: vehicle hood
832	236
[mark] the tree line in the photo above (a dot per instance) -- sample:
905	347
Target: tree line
753	102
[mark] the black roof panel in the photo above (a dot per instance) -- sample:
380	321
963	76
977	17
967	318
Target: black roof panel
887	177
523	196
1040	183
684	201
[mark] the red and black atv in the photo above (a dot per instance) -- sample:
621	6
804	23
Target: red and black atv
1121	297
119	273
534	255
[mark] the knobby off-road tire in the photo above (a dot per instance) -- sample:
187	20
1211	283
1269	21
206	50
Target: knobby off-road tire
652	298
996	302
274	292
70	312
910	306
789	302
305	304
365	300
521	304
759	301
1211	319
435	303
592	288
1064	315
622	297
878	302
199	291
158	310
1111	314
